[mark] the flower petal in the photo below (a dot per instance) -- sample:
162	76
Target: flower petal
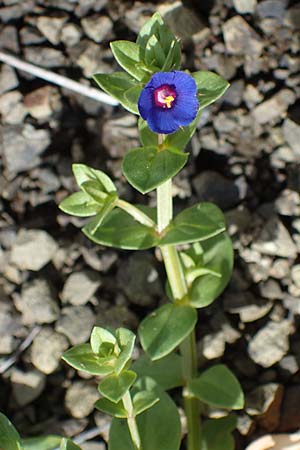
184	83
162	121
185	109
160	78
145	102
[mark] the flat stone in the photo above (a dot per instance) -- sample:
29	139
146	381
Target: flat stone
33	249
240	38
76	322
44	56
12	108
51	27
270	344
9	38
80	398
272	8
245	6
80	287
245	425
288	203
275	240
31	36
270	289
90	59
27	386
70	34
280	269
47	349
289	365
22	146
119	134
8	78
212	345
275	108
235	93
42	102
93	446
98	28
264	403
291	132
37	303
248	307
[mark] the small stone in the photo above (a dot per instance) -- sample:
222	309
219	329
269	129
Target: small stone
76	322
288	203
275	108
22	146
9	38
212	345
47	349
42	102
33	249
8	79
12	108
270	289
275	240
292	17
245	6
280	269
93	446
80	399
119	134
252	96
291	132
290	411
31	36
180	19
9	323
80	287
272	8
51	27
27	386
90	59
295	274
37	303
264	403
247	306
289	365
245	425
98	28
234	94
240	38
44	56
270	344
70	34
115	316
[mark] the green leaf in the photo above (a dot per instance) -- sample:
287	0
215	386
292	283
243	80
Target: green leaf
200	222
117	84
216	433
67	444
165	328
81	357
49	442
144	400
217	386
9	437
100	336
217	258
79	204
181	138
111	408
84	174
128	56
210	87
148	167
115	386
148	137
159	427
120	230
132	95
126	340
173	59
167	371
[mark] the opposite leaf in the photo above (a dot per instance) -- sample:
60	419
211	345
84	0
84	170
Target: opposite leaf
79	204
9	437
146	168
128	55
217	386
114	387
111	408
216	433
81	357
50	442
84	173
165	328
210	87
67	444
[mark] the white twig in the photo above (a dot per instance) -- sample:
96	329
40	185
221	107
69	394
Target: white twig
23	346
54	78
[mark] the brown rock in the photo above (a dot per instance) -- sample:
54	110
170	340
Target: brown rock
290	410
264	402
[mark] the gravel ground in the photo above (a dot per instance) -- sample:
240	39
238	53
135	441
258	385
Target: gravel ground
56	284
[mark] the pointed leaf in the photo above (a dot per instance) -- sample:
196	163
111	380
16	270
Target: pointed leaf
115	386
128	56
79	204
216	433
197	223
120	230
148	167
9	437
144	400
210	87
218	386
165	328
67	444
50	442
99	336
111	408
148	137
126	340
84	173
81	357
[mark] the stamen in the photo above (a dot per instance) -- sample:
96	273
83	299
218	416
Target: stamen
164	96
169	100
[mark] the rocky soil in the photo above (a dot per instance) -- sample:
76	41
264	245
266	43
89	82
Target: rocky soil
55	285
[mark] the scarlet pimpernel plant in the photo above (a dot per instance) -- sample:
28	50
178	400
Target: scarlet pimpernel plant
195	248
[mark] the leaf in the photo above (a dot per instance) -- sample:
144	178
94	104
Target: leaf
117	84
67	444
165	328
114	387
79	204
120	230
111	408
218	258
167	371
146	168
49	442
216	433
128	56
159	426
9	437
148	137
126	340
99	336
197	223
144	400
84	173
81	357
210	87
217	386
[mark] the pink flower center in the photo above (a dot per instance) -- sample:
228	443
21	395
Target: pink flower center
164	96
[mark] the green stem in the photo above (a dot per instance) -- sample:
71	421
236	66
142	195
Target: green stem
133	429
179	290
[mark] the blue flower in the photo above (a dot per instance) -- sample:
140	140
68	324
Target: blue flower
168	101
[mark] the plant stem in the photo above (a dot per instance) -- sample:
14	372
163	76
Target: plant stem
133	429
179	290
